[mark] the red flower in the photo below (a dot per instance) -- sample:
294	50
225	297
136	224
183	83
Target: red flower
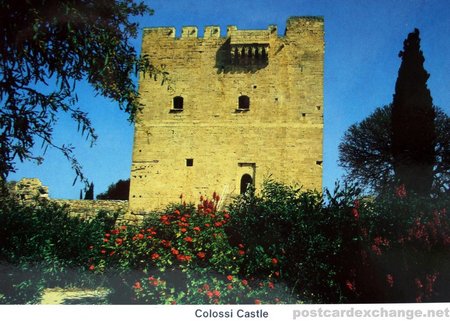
207	224
241	246
107	235
230	278
123	227
355	213
390	280
92	267
91	247
140	236
241	252
277	274
176	212
188	239
218	224
206	286
182	258
350	285
244	282
175	251
229	287
271	285
201	255
226	215
197	229
418	283
166	243
103	251
137	285
274	261
183	230
216	293
209	294
257	301
400	191
112	253
155	256
119	241
105	240
173	302
115	232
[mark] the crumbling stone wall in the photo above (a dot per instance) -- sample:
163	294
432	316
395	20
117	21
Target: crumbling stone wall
32	190
241	108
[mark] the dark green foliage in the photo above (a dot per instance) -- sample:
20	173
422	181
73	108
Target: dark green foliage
413	129
89	192
366	150
343	247
367	156
311	240
47	47
116	191
42	246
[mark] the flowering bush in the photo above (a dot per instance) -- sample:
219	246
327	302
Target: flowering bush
177	252
407	249
344	247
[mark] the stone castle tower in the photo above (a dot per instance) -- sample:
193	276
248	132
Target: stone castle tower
241	108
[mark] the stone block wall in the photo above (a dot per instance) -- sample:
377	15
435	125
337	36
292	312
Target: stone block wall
241	108
32	190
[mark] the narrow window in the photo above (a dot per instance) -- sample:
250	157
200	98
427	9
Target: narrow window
189	162
244	102
178	103
246	181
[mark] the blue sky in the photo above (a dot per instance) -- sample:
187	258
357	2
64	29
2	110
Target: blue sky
362	42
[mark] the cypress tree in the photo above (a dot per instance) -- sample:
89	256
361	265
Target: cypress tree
90	192
413	129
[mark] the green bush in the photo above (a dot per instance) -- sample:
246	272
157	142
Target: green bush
182	256
344	247
310	240
41	245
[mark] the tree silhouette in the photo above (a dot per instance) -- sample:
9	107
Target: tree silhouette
413	130
116	191
366	154
89	192
46	48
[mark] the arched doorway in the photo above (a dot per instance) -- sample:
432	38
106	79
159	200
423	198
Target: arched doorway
246	181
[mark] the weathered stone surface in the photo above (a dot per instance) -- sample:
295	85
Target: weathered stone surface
204	140
90	208
31	190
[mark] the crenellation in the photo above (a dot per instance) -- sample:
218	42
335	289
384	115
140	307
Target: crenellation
189	32
211	32
247	108
161	32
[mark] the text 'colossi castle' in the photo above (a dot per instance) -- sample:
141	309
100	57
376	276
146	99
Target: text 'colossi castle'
241	108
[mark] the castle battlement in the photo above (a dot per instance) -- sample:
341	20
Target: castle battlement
243	106
237	36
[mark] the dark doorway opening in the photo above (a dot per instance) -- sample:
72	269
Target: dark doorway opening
246	181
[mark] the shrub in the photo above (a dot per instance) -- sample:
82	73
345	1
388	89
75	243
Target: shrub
175	253
42	246
344	247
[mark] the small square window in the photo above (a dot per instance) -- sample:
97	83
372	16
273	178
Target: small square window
189	162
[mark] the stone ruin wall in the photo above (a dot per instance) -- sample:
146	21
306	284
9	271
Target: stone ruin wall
32	190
